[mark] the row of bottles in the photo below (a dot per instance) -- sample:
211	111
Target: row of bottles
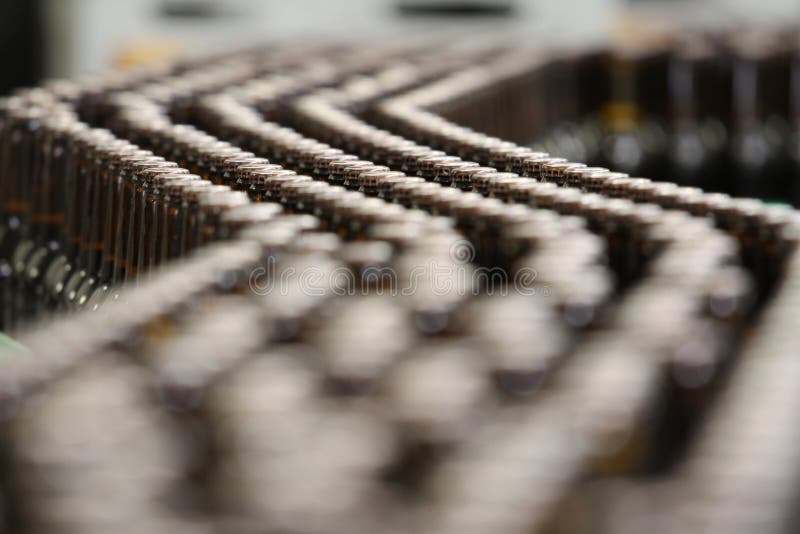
86	211
712	111
326	305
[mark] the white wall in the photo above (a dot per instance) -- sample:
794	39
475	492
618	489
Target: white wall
86	34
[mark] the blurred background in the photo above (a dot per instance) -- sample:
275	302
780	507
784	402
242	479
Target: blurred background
55	38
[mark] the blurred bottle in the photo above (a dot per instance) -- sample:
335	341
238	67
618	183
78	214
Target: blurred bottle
761	100
633	120
698	135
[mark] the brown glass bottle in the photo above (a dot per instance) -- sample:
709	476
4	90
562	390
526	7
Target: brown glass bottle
99	214
187	219
20	131
35	157
260	180
120	197
152	187
136	197
210	207
173	215
78	223
156	215
49	216
117	159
